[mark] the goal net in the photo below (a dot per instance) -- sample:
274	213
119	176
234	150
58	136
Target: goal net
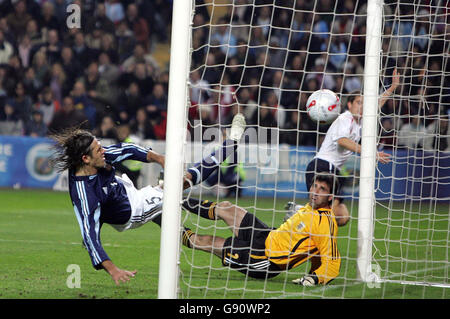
263	58
411	242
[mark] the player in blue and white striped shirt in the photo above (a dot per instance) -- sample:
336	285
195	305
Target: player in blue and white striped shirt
99	196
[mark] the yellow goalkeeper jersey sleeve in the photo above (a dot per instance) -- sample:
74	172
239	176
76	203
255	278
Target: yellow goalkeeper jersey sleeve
308	234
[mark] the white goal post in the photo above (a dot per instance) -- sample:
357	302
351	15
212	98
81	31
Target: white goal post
369	139
175	144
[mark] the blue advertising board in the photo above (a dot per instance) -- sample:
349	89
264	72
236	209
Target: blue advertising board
280	172
25	162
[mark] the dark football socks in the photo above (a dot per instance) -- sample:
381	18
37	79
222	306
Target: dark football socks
205	208
202	170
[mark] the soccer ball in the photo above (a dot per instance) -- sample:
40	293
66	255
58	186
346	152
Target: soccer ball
323	106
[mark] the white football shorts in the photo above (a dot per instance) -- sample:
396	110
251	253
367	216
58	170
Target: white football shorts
146	203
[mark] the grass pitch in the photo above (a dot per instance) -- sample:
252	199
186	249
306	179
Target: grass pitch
40	240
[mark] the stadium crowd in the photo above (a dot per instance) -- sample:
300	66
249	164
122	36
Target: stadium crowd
261	60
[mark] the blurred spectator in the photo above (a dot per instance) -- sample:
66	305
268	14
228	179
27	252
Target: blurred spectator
140	55
18	19
58	82
141	125
52	47
258	42
234	71
24	50
264	117
47	105
338	52
3	91
48	19
222	36
97	88
212	69
161	13
93	39
114	10
412	134
34	33
32	85
68	117
107	70
156	107
352	81
438	135
21	103
290	133
387	135
324	80
6	49
109	47
339	85
83	103
71	65
8	78
266	122
138	25
41	67
129	102
10	123
295	70
264	18
247	105
139	73
36	127
205	116
60	10
125	41
107	128
158	98
81	51
277	110
199	88
276	54
100	20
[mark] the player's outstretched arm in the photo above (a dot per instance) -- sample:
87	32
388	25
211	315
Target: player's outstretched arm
395	83
117	274
347	143
153	157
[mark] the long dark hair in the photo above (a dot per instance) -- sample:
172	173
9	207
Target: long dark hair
71	144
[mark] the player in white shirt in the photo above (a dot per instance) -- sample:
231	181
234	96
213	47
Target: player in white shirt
341	141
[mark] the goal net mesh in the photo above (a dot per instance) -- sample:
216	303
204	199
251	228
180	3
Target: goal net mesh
263	58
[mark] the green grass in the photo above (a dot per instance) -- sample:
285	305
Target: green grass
40	238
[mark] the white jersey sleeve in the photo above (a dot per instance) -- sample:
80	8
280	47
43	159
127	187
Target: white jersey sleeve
344	126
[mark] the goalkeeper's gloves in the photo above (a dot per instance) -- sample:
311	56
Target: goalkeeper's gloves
307	280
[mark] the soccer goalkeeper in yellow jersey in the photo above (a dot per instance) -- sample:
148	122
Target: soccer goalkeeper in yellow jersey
262	252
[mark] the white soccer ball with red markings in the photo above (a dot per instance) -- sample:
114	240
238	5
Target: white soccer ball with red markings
323	106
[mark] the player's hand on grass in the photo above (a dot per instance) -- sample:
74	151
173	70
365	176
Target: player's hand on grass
117	274
383	157
120	275
307	280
